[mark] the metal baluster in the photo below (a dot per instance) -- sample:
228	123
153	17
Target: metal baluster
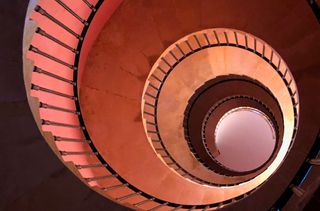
78	153
42	71
143	202
45	34
150	114
271	57
216	36
246	41
153	106
154	140
207	39
236	37
150	95
153	86
150	131
116	187
158	206
197	40
151	123
128	196
47	106
59	124
176	208
165	61
285	73
226	36
65	139
100	165
181	51
279	63
189	46
164	72
91	6
155	77
99	178
56	21
72	12
36	50
38	88
174	56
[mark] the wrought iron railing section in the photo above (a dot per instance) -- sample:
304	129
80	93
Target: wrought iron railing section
53	58
45	34
164	68
42	71
144	198
43	12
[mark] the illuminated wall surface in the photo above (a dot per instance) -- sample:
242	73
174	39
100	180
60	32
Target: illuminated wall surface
160	105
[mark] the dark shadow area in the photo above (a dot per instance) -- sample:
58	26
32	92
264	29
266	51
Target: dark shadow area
314	202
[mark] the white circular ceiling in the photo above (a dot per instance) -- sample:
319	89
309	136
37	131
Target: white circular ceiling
245	138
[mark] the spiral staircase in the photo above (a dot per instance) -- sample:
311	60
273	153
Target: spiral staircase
150	103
